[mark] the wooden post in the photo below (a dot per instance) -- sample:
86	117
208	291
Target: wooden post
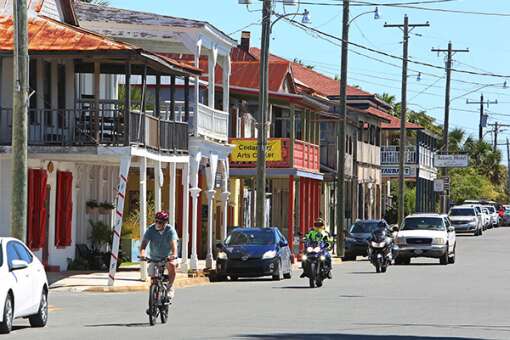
290	218
186	100
172	97
127	104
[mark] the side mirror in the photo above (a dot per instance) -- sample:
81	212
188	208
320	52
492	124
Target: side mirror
283	244
220	246
451	229
18	264
395	228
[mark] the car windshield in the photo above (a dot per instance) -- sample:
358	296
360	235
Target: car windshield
250	237
462	212
491	209
364	227
423	223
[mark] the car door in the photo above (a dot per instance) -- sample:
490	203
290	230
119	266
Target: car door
35	275
22	288
451	235
284	250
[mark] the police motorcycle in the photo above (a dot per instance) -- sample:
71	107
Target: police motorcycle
380	250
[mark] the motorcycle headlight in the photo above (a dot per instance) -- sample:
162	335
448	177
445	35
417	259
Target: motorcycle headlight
269	254
322	258
438	241
401	241
303	258
222	255
309	249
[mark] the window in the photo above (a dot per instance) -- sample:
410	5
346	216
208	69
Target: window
360	131
462	212
22	252
11	254
64	209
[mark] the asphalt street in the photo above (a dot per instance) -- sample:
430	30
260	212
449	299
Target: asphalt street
467	300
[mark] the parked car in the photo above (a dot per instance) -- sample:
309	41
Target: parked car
481	215
426	235
493	213
356	238
254	252
23	286
506	216
465	220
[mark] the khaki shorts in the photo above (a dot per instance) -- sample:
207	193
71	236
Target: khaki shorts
151	269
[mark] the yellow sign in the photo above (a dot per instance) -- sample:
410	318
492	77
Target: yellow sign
246	151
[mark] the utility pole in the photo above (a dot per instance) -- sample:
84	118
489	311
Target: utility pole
260	216
406	29
19	122
481	103
340	180
497	128
450	52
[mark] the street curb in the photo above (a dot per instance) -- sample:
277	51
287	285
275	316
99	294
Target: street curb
142	287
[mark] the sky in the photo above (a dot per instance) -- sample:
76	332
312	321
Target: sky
486	36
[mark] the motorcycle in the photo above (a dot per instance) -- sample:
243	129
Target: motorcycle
315	262
380	250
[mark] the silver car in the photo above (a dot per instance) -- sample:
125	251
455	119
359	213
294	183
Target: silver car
465	219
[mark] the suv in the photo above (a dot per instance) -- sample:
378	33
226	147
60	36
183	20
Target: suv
493	214
465	220
426	235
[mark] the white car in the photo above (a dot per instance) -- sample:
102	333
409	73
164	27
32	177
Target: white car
23	286
493	215
465	220
426	235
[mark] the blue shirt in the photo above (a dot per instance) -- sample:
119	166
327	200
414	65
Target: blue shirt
160	241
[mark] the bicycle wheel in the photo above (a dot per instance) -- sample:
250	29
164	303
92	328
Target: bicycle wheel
163	309
153	304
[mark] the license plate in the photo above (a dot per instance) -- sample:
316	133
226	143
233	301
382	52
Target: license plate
418	251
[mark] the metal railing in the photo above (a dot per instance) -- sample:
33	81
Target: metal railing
390	154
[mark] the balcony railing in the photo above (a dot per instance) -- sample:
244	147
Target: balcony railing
390	155
306	155
329	159
211	123
87	127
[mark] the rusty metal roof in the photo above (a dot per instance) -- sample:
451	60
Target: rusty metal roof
48	35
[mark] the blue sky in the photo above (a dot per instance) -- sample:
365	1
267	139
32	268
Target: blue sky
485	36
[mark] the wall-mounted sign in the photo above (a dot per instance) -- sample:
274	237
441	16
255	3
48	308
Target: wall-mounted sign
246	151
394	172
451	161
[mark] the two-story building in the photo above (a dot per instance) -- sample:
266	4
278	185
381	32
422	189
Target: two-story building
208	143
85	138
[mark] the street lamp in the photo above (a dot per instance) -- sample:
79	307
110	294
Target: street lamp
340	145
267	26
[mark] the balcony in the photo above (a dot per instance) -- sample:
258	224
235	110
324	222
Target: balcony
210	123
328	158
88	127
390	155
306	155
369	154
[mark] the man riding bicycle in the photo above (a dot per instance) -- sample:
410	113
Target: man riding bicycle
162	240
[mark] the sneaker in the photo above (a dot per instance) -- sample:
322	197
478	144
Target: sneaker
171	293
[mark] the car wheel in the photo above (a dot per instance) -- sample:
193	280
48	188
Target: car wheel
41	318
451	259
234	278
444	259
279	274
6	325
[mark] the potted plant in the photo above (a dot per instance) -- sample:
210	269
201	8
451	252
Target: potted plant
105	207
92	206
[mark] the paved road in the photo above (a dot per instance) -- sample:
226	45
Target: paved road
468	300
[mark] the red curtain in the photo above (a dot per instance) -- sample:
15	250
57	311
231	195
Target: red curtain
36	214
64	209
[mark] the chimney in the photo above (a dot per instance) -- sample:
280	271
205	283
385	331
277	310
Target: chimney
245	41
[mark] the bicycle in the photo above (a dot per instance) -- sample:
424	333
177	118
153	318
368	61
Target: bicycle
158	292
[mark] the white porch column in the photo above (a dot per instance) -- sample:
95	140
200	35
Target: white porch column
224	199
212	58
195	194
211	176
197	52
226	83
143	211
171	192
158	182
185	217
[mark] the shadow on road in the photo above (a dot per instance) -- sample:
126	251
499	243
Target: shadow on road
339	336
362	273
293	287
120	325
499	328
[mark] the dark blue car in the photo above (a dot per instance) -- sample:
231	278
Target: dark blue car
254	252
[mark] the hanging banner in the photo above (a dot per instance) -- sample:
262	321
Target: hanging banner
245	150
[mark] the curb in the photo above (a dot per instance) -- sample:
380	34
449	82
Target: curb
142	287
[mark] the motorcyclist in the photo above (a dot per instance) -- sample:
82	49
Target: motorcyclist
319	234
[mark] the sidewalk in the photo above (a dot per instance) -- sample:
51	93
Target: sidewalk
126	280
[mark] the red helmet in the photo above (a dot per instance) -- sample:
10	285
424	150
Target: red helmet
162	216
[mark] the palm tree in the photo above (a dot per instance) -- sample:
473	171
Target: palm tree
455	139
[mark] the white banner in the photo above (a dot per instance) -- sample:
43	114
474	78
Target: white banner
451	161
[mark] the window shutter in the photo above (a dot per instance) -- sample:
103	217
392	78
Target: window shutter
64	209
30	210
36	214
